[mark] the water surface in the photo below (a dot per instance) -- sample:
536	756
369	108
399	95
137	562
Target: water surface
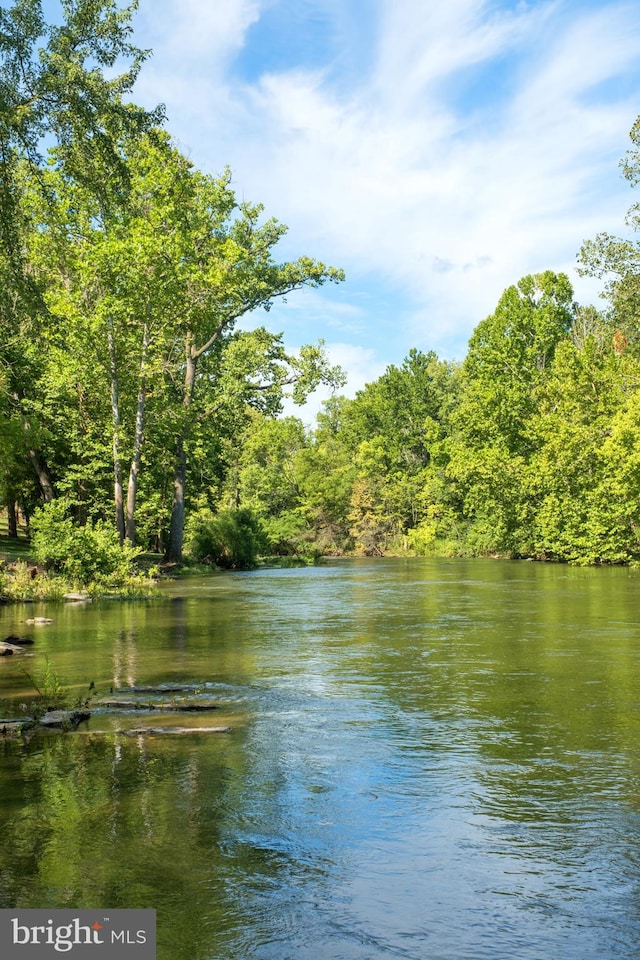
429	760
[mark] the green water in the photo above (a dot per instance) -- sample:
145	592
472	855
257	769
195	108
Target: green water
428	760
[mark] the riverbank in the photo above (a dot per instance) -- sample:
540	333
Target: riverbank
22	580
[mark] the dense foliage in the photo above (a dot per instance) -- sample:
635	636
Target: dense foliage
529	448
135	408
124	379
84	555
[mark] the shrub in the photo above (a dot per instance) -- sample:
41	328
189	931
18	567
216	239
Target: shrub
20	584
289	535
91	554
230	538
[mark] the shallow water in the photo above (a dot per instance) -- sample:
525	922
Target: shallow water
431	760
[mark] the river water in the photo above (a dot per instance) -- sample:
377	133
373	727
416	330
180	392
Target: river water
428	760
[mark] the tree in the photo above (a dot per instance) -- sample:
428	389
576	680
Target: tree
563	478
510	357
396	426
399	405
125	287
325	473
111	287
267	481
53	86
226	271
57	87
615	524
618	261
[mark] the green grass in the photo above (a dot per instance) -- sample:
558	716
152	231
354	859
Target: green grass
11	549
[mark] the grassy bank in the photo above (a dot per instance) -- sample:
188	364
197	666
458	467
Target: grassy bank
22	580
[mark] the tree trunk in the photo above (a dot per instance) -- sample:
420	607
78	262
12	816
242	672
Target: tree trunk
46	484
115	413
176	530
132	486
12	517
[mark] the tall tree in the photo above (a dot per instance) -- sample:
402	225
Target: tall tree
152	290
58	87
510	356
617	260
227	270
563	478
54	88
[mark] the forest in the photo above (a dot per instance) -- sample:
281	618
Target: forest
139	415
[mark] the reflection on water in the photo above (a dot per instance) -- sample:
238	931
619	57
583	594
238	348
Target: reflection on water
428	759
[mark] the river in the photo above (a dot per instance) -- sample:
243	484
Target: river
430	760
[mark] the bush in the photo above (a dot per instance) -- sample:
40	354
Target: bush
231	538
85	555
288	535
19	584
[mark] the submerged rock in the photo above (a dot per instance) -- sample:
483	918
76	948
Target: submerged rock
179	706
63	719
162	688
180	731
13	727
8	649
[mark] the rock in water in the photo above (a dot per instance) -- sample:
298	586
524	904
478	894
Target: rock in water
176	731
64	719
6	649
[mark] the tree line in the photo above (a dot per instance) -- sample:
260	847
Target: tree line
131	396
124	274
528	448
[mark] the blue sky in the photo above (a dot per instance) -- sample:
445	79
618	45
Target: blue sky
437	150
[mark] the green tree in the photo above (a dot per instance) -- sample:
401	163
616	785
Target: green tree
227	270
509	356
325	473
267	481
125	288
394	427
112	290
58	87
564	477
57	83
615	524
617	260
509	360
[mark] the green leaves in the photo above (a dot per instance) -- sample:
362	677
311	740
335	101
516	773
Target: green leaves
230	539
86	555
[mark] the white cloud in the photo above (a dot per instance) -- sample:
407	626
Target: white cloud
193	44
193	30
421	46
390	189
410	174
